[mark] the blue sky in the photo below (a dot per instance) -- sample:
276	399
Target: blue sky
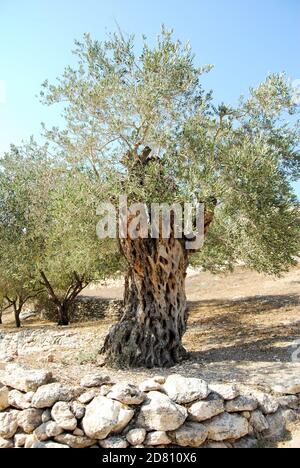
244	39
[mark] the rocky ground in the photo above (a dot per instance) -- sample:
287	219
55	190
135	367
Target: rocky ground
243	328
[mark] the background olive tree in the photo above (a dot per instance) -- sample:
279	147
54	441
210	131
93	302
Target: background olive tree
73	255
48	235
20	176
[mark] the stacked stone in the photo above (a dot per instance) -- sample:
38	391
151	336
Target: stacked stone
36	412
87	309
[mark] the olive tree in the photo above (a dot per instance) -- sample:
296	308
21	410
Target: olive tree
73	255
139	121
48	234
20	246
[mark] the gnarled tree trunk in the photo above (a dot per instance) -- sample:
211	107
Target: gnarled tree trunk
17	304
64	304
17	313
155	308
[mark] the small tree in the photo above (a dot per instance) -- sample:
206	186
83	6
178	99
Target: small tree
143	123
48	231
20	171
17	288
73	255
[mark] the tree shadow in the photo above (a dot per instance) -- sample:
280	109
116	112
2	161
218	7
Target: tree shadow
248	329
246	305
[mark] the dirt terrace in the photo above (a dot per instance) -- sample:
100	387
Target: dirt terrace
242	327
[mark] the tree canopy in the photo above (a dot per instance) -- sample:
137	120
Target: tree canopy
119	101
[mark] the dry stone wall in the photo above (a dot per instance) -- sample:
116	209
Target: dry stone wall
36	412
85	309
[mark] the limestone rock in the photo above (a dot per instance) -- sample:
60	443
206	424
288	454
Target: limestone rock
240	404
259	422
4	398
277	425
136	436
63	416
6	444
246	443
114	443
94	380
289	401
76	442
189	435
53	445
19	400
8	424
78	409
183	390
150	385
20	440
24	380
288	386
48	445
216	445
30	419
6	358
104	416
160	413
226	391
267	403
157	438
105	389
204	410
226	427
290	416
48	430
88	396
47	395
31	440
159	379
127	394
46	416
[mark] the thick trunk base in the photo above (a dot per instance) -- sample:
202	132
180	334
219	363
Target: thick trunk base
155	309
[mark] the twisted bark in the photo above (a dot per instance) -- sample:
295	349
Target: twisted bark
155	309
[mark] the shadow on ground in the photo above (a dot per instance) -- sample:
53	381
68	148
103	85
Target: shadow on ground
260	328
